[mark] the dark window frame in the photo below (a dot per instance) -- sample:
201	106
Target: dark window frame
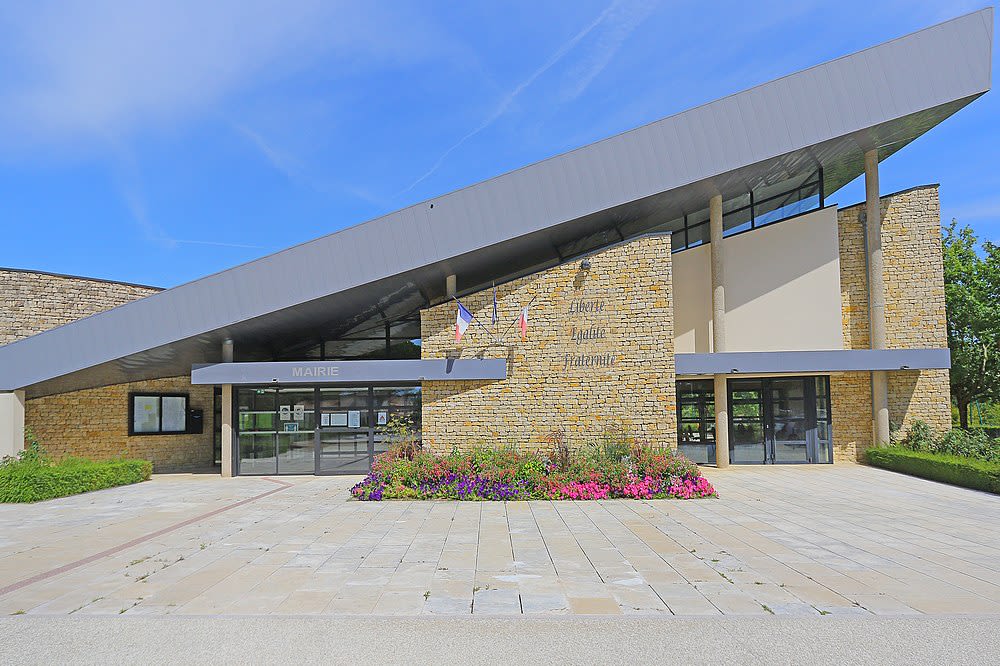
812	186
159	396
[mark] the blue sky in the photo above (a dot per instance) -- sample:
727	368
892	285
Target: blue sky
157	142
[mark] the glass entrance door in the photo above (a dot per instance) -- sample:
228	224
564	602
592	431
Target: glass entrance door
345	431
276	430
318	430
789	425
780	420
296	431
258	425
747	422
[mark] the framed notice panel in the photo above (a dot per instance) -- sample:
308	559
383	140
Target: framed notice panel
157	413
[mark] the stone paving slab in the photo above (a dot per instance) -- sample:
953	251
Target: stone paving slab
795	541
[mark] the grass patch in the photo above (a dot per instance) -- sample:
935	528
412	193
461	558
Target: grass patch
956	470
32	476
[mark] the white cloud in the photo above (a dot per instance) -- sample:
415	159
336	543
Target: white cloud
621	20
509	98
92	71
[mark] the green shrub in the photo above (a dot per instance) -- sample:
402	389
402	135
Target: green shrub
32	477
971	443
920	437
956	470
968	443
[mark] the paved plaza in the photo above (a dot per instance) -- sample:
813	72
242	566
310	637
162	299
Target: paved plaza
788	541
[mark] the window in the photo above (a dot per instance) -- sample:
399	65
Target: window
696	420
157	413
757	208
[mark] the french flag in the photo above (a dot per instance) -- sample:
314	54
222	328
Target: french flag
462	322
522	323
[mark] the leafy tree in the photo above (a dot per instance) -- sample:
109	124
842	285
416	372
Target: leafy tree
972	295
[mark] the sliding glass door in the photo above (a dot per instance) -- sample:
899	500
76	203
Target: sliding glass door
780	420
258	424
318	430
771	420
345	438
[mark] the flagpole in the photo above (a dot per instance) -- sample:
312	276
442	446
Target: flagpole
516	319
495	319
476	319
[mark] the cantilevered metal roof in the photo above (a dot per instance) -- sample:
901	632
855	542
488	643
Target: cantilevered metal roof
823	117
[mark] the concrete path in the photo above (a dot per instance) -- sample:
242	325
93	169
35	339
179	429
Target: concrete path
469	641
803	541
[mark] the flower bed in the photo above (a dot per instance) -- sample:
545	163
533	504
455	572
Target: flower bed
505	474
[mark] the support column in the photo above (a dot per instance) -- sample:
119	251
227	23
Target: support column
11	423
876	298
719	329
227	415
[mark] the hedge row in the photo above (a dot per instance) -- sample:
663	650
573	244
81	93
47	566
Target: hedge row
956	470
21	482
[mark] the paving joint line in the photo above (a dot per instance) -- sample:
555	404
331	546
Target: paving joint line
13	587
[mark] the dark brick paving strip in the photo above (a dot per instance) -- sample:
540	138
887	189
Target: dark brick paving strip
138	540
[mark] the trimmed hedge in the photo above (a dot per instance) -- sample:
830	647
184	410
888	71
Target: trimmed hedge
24	481
956	470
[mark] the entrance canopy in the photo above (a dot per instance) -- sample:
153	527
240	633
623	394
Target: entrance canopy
800	134
350	372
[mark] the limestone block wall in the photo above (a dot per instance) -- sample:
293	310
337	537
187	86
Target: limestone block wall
93	423
33	302
915	316
599	355
851	407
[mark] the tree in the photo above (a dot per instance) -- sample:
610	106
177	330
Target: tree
972	297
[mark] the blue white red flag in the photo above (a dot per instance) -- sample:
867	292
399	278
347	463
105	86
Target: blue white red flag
522	323
462	322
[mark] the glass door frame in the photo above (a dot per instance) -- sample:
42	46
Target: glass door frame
370	434
369	408
767	416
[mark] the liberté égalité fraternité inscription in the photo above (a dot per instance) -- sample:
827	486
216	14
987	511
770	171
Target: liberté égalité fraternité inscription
585	329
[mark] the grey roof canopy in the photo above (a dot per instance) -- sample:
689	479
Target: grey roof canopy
825	116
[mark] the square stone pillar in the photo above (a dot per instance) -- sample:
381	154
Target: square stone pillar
11	423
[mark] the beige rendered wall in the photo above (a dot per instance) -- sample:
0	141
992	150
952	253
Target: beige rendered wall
599	353
34	302
11	423
692	270
782	289
93	423
915	314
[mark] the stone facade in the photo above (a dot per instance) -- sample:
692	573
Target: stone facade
34	302
915	316
599	352
93	423
599	355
